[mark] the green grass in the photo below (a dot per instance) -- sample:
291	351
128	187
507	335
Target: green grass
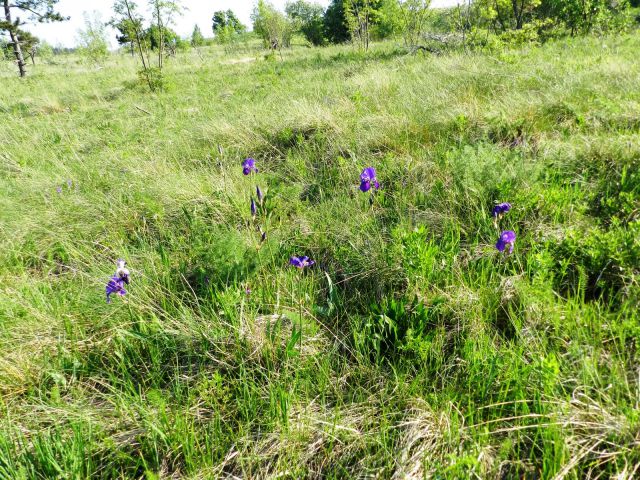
411	349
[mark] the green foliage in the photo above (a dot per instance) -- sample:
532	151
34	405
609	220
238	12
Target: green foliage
308	19
391	329
154	34
152	77
504	15
29	43
41	10
92	40
226	20
599	263
582	17
272	26
226	35
411	349
539	16
532	33
413	19
197	39
5	49
127	29
158	37
45	51
360	17
361	21
389	20
334	22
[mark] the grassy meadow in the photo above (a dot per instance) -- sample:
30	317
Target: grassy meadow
411	349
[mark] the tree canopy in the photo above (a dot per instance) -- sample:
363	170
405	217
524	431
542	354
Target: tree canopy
273	26
197	39
335	24
308	19
36	11
226	18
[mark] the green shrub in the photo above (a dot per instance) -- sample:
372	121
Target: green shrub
392	328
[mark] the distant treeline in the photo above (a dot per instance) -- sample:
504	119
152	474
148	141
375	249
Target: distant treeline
474	24
477	22
480	22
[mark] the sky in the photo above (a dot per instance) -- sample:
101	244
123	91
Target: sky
195	12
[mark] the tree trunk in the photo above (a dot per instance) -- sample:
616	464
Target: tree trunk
160	35
15	41
137	33
499	17
517	13
366	27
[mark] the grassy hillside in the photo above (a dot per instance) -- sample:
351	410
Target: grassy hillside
411	349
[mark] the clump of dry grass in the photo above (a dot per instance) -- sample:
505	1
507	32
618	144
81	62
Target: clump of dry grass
598	440
427	441
267	334
314	439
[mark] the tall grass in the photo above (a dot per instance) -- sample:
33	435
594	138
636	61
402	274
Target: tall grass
412	349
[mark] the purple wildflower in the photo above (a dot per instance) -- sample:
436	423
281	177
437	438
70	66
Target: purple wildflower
259	194
115	285
263	237
301	262
117	282
254	209
59	189
247	291
507	237
500	209
69	183
248	166
368	178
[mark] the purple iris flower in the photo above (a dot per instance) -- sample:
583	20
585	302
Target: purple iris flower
507	237
301	262
368	178
254	209
118	281
259	194
248	166
116	285
500	209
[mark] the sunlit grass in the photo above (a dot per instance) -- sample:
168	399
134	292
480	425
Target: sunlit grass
411	349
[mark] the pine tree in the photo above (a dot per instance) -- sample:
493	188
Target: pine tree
40	10
197	39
